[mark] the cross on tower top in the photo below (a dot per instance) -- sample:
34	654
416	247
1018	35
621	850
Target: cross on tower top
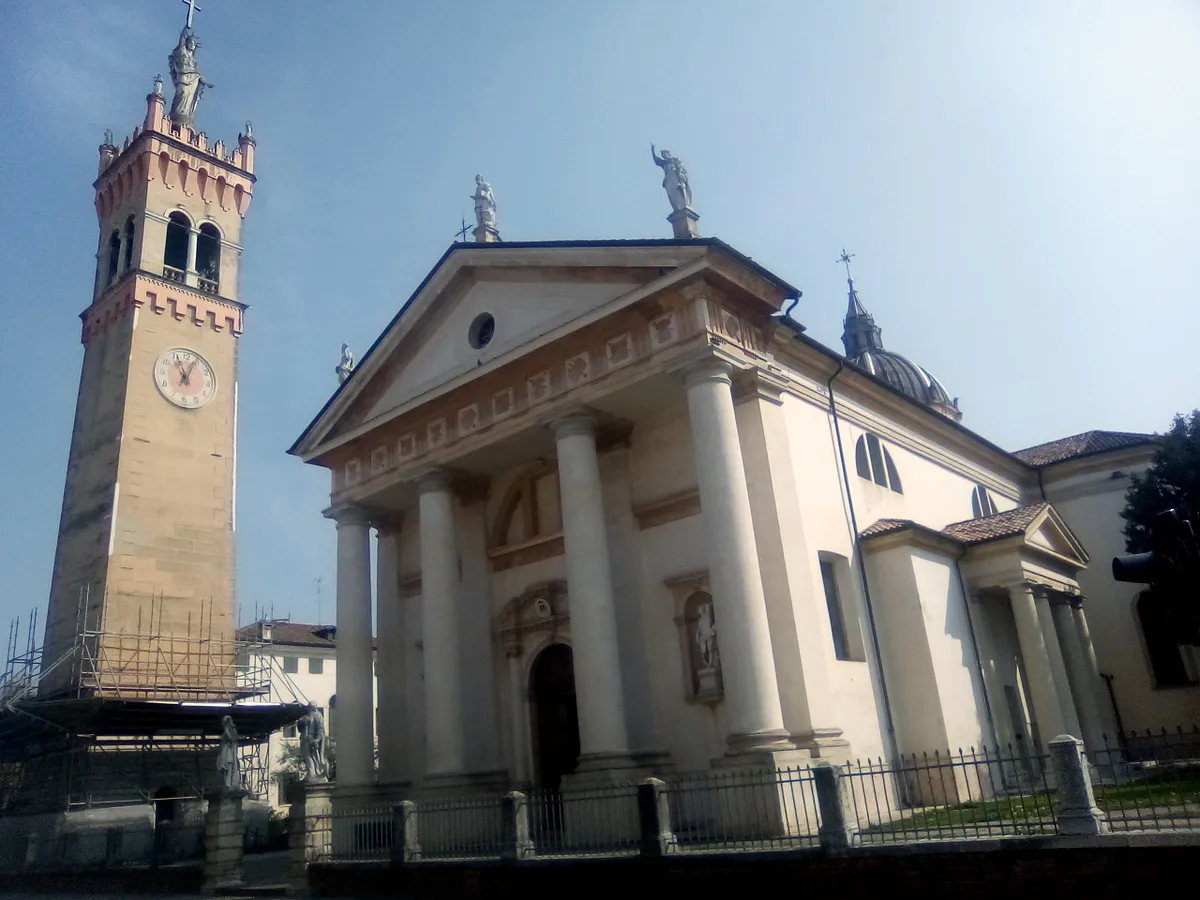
192	10
462	233
844	258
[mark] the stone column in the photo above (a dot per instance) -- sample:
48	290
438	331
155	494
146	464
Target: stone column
191	277
439	598
1046	708
482	751
589	580
355	676
1082	682
755	718
1058	667
1108	722
519	714
390	664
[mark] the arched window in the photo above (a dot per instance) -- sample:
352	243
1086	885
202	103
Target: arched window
128	244
982	504
1162	646
874	463
208	257
530	509
114	255
175	252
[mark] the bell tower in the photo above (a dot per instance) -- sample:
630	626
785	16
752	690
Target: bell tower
144	567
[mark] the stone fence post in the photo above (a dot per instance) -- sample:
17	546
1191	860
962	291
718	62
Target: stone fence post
406	844
654	818
1077	810
835	832
224	834
516	843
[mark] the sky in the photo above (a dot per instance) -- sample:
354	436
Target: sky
1017	180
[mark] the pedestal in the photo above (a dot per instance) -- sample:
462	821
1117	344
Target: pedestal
224	832
683	223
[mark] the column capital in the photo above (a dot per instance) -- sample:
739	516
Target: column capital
387	523
575	422
433	480
349	514
708	369
758	384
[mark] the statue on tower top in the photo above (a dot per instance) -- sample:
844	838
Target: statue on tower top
485	212
189	83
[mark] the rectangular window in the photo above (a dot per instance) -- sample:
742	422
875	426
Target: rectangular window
316	665
291	665
837	621
289	731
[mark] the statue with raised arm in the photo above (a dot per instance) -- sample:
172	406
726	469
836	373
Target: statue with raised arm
675	179
485	204
228	763
346	366
312	746
189	83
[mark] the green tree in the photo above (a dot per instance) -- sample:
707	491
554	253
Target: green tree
1171	482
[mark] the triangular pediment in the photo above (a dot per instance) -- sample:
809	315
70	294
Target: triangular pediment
1049	533
535	293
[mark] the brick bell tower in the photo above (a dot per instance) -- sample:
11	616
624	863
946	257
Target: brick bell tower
143	581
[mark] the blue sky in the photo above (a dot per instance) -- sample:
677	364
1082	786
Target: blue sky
1018	181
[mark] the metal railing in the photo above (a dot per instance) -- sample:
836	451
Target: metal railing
595	821
1149	781
973	793
743	810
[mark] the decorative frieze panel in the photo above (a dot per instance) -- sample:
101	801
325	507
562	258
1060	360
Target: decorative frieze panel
446	421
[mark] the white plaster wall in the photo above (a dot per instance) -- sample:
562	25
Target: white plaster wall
1090	500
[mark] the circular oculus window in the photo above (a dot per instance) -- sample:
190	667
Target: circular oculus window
482	330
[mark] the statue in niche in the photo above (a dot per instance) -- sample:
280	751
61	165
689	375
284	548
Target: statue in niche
346	366
228	763
312	745
675	179
485	204
189	83
706	636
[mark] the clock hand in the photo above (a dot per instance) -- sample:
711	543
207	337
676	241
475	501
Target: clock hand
183	373
192	366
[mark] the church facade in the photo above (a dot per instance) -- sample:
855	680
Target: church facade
631	518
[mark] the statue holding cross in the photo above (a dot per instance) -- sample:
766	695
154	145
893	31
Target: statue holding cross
189	83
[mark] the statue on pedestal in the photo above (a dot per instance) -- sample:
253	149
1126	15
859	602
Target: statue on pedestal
706	636
675	179
228	763
312	746
189	83
485	204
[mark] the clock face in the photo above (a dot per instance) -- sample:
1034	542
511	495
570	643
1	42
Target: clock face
184	377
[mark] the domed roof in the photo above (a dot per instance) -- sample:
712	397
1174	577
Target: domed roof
863	340
909	378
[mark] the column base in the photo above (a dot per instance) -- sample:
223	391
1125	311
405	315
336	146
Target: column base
824	743
768	741
457	783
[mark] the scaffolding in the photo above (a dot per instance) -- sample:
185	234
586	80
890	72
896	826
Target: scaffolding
118	718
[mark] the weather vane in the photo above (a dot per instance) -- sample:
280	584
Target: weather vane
845	258
192	10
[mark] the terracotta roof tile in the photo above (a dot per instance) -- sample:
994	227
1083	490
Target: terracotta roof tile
293	634
1006	524
1078	445
886	526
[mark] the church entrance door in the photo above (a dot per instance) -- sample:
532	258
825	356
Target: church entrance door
556	718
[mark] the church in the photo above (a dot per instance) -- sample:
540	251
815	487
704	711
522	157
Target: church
631	519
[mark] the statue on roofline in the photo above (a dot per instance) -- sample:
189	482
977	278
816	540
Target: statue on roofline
675	179
189	83
485	204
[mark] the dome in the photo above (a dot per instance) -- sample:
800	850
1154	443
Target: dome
863	340
908	378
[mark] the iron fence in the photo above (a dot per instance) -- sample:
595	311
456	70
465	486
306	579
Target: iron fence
976	793
468	827
738	809
594	821
1148	781
353	833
